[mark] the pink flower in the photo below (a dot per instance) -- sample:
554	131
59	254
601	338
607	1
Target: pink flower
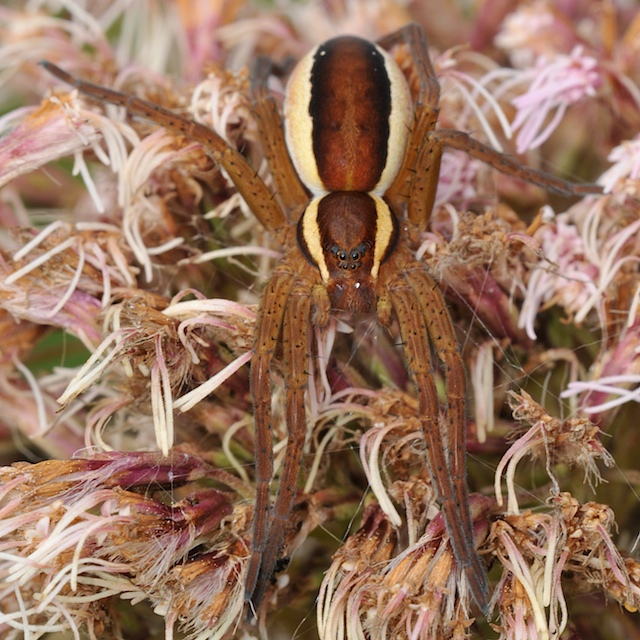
568	279
624	175
533	30
553	86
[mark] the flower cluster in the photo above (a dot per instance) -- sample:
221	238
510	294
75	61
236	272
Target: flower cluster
77	533
130	272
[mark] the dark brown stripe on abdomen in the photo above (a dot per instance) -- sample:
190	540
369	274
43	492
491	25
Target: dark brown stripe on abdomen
350	107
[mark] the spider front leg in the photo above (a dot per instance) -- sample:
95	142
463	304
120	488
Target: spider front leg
267	335
423	320
287	307
271	317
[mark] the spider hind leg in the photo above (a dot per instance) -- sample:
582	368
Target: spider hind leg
289	188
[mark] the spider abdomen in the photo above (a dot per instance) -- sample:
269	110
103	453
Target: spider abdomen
347	116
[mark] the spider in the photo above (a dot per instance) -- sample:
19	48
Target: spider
356	154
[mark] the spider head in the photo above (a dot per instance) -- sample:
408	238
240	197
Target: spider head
347	235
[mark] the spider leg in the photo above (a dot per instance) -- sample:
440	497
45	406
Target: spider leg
295	346
442	336
417	181
426	171
422	316
290	189
509	165
413	36
244	177
267	335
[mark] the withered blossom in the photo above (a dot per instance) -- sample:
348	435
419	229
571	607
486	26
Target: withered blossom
374	590
79	532
575	441
130	271
543	554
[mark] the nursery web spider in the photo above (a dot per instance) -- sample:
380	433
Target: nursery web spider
356	154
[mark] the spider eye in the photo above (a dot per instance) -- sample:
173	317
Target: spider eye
346	259
357	253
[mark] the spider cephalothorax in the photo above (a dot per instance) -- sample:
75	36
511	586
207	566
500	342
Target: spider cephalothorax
356	141
347	235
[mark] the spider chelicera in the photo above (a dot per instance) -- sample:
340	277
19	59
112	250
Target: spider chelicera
357	153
